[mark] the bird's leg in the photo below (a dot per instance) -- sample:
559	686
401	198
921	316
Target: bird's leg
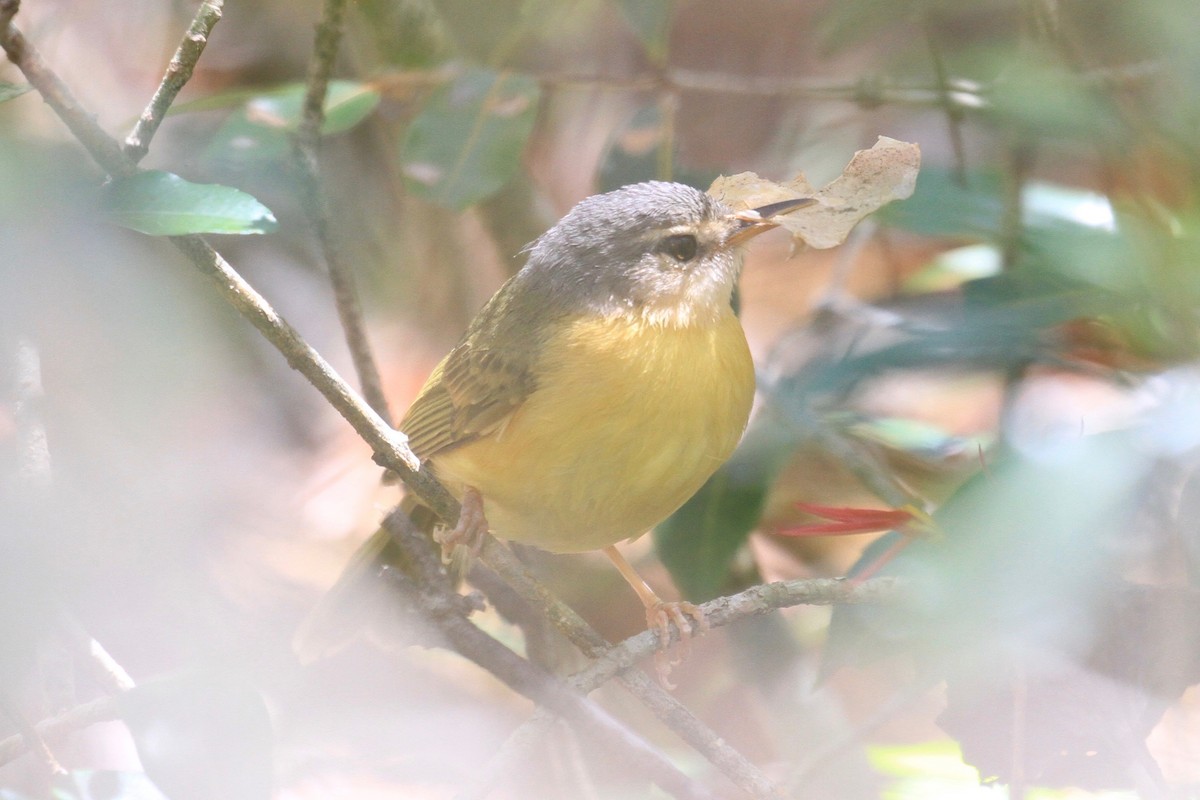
660	614
472	525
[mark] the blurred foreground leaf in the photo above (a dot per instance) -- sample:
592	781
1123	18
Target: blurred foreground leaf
164	204
201	737
101	785
1027	540
468	140
10	90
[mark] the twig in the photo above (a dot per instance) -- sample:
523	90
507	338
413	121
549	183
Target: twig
114	678
341	276
426	586
390	447
178	73
102	147
78	718
31	739
739	769
754	601
954	112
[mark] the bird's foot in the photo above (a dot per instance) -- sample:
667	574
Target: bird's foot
688	619
470	529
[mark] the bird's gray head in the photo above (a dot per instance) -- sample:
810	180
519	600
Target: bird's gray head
663	250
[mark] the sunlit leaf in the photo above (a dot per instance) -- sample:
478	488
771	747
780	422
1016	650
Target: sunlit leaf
164	204
951	268
10	90
937	758
911	436
260	128
468	140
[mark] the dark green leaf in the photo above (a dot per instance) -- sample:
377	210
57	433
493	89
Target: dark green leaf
467	141
164	204
698	542
651	21
10	90
942	206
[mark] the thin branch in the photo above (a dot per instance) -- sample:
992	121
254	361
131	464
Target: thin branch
341	276
111	675
740	770
178	73
30	737
954	113
426	587
55	728
755	601
390	447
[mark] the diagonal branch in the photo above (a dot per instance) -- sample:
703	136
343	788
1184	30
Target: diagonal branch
178	73
316	204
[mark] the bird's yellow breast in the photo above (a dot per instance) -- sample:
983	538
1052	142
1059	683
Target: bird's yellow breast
628	420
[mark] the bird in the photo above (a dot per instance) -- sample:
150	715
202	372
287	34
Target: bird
601	385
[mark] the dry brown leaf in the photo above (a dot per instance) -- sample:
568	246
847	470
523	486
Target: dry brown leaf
872	179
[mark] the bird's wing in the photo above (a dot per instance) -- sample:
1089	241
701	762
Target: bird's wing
472	393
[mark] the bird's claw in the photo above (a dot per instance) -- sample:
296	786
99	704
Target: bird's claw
688	619
470	529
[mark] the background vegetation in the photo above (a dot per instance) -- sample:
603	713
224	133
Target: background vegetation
1013	350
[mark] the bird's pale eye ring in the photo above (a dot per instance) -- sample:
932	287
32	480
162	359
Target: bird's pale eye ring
681	246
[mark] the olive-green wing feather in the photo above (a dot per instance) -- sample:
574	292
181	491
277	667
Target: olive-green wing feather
472	393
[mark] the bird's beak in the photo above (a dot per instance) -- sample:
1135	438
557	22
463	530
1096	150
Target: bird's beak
753	221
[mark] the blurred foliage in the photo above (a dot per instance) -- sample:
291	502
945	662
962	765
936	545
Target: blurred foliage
1049	253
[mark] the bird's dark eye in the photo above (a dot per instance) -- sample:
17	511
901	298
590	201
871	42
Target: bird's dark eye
681	246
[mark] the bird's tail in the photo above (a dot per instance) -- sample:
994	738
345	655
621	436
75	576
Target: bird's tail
361	602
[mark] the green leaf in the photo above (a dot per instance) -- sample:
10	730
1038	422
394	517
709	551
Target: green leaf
942	206
10	90
467	141
651	22
260	129
163	204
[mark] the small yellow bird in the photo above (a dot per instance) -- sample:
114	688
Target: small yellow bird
603	384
